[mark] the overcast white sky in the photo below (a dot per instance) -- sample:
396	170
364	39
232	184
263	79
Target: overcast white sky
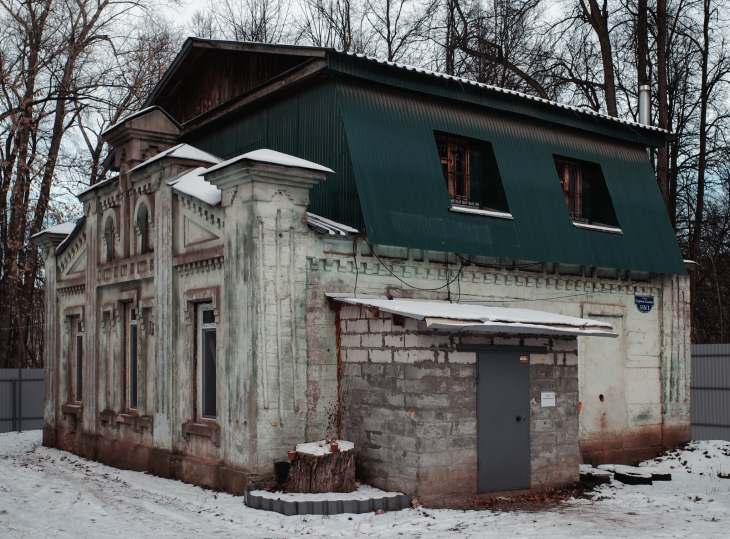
188	7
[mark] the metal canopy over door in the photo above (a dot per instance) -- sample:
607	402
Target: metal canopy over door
503	421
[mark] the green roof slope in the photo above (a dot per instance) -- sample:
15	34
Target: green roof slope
405	202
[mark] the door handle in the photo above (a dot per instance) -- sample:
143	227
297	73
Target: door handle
519	418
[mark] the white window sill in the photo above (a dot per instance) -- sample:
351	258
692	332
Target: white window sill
598	228
486	213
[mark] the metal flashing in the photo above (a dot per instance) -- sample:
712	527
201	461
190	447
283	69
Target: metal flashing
500	349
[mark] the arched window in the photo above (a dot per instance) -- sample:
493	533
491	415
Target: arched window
109	238
143	245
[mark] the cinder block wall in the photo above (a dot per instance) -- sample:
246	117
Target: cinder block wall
409	403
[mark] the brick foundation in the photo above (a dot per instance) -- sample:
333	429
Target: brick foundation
129	456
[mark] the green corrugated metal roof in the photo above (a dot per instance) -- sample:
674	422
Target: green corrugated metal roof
306	124
438	84
405	201
374	123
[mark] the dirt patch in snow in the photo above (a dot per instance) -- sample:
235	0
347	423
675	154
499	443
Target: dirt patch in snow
544	500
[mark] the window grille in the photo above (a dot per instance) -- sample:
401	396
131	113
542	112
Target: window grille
586	192
454	155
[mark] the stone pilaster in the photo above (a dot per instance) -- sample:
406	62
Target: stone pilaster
265	270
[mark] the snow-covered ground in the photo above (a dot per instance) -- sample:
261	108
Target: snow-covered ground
50	493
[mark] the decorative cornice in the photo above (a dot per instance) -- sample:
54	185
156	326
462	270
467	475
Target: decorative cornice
71	290
212	215
430	271
70	252
207	264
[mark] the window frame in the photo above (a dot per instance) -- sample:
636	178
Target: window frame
108	235
588	196
576	214
482	188
142	229
202	388
77	370
449	160
131	358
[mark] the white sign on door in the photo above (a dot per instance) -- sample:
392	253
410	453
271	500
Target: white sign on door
547	398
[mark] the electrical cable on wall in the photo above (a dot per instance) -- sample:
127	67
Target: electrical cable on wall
463	263
401	280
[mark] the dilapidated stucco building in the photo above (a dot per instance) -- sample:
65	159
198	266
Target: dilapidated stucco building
477	287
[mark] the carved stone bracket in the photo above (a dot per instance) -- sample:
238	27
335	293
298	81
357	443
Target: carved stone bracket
113	311
72	412
198	295
136	422
201	429
148	304
110	417
144	422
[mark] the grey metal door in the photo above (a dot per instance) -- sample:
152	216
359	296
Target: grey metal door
503	421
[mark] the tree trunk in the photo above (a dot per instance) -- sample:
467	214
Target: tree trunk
694	249
662	166
702	161
333	472
598	19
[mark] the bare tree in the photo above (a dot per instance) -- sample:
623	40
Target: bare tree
399	25
203	24
48	73
496	38
129	78
262	21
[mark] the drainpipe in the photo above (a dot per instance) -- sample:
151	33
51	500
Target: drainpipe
645	104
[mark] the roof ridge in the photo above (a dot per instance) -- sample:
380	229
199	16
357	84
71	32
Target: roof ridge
499	89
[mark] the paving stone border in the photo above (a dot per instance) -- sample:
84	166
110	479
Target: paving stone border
324	507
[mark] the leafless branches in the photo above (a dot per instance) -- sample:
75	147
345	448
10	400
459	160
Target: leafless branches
60	65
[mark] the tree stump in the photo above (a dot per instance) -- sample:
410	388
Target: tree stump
332	472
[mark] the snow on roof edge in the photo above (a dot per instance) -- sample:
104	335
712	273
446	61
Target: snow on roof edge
192	183
273	157
183	149
140	113
62	228
522	95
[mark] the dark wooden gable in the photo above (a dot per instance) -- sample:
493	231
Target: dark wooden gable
206	78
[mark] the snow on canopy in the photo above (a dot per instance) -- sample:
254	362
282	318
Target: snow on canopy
275	158
191	182
470	317
63	228
182	151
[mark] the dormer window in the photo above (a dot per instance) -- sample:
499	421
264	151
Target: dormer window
586	194
471	175
571	180
454	155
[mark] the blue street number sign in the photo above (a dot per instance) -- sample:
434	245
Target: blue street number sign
644	303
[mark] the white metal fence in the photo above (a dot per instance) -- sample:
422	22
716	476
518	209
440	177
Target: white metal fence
710	392
21	399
